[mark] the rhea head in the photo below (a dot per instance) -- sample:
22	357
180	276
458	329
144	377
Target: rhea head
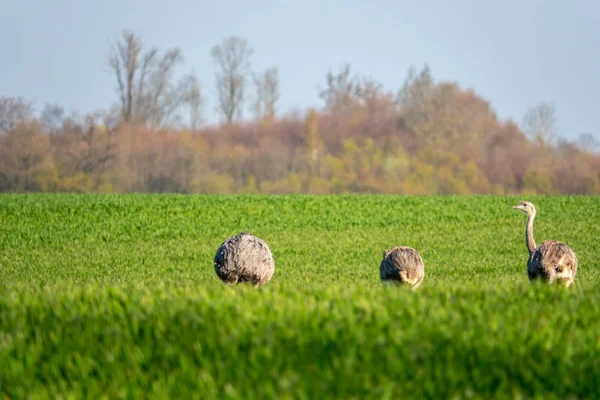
525	206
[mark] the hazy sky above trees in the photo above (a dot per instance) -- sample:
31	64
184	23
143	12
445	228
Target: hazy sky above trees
514	53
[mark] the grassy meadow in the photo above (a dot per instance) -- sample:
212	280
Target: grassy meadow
115	296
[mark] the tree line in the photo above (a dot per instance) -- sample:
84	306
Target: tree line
427	137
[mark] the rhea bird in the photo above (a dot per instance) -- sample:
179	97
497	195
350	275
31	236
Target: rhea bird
402	265
244	258
550	261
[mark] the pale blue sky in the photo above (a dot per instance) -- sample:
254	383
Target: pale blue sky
514	53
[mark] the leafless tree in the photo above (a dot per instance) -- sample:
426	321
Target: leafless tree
13	110
539	123
193	98
232	57
367	88
341	89
145	81
587	142
267	93
372	95
417	88
164	97
52	117
125	59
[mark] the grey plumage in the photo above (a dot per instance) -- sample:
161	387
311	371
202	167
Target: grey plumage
402	265
244	258
550	261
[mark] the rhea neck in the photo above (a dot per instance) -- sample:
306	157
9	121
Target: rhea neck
529	240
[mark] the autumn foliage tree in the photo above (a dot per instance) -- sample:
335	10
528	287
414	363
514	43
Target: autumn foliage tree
427	137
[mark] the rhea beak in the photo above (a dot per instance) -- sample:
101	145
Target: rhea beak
515	207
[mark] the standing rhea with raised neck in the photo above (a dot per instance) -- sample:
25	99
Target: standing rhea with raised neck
550	261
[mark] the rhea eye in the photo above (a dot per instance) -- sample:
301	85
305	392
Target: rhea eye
559	268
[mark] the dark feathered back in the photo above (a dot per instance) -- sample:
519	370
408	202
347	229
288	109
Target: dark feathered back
553	260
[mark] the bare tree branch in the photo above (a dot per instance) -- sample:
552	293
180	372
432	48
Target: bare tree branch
192	97
124	60
539	123
266	88
145	81
588	142
232	58
339	93
52	117
13	110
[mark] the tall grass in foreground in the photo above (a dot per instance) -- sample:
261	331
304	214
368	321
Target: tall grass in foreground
116	296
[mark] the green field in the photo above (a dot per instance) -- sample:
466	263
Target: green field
116	296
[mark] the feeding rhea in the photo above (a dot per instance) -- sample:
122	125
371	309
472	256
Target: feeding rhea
244	258
402	265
